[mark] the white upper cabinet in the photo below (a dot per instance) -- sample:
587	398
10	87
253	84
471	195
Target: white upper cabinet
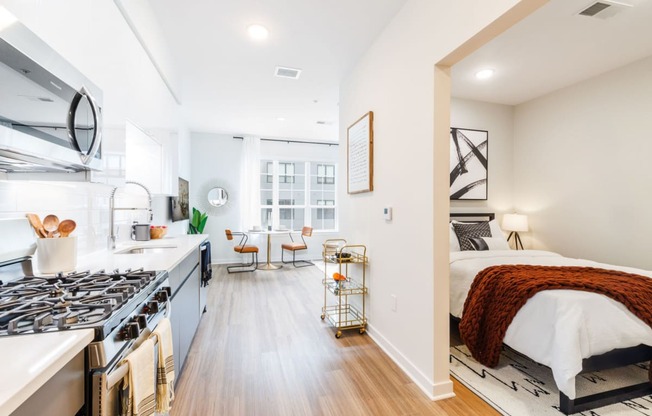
152	159
114	163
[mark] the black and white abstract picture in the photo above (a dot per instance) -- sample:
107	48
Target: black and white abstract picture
469	154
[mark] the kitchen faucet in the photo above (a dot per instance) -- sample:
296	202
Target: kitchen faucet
113	209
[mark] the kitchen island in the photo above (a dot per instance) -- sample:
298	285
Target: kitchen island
40	360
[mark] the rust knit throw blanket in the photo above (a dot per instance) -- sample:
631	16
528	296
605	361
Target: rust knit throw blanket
498	292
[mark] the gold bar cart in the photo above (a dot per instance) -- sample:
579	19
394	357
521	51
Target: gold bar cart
342	314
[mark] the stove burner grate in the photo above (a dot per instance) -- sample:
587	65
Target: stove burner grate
65	301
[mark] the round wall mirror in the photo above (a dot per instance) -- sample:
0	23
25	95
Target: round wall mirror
217	197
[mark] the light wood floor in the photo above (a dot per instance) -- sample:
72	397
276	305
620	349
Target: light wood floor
261	349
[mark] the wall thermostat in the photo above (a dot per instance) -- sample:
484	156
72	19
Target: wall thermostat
387	212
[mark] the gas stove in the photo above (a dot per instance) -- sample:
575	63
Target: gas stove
122	308
100	300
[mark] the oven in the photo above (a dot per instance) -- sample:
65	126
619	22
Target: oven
122	309
104	356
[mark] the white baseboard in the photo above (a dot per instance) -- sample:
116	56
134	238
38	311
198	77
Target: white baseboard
434	391
226	261
443	390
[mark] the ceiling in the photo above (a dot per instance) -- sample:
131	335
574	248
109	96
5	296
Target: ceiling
227	81
554	48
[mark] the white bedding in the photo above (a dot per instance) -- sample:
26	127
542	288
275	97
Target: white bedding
557	328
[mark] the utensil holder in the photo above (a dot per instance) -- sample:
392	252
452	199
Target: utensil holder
55	255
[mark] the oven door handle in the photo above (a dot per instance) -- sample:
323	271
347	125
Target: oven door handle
116	375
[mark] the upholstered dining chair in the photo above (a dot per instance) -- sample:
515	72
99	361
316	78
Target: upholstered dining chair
243	248
295	246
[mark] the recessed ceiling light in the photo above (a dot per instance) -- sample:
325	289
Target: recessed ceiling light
280	119
258	32
484	74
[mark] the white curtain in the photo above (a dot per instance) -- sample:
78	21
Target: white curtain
250	184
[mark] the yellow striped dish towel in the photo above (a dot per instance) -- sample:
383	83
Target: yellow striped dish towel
165	370
140	381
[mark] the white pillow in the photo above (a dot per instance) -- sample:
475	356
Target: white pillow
453	241
496	231
496	243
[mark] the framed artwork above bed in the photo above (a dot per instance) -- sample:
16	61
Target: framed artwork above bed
469	164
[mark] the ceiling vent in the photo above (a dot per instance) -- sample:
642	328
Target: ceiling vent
604	9
285	72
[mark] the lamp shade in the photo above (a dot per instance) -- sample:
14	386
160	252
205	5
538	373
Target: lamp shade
515	222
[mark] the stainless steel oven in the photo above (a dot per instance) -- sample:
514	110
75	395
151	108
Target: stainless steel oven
121	307
105	356
50	114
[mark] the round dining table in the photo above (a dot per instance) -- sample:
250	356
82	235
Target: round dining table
268	265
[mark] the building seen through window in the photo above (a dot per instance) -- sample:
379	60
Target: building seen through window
294	194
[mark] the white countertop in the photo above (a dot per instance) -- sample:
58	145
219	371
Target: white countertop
31	360
167	259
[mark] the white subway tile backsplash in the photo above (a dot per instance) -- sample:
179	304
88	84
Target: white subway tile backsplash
85	203
7	201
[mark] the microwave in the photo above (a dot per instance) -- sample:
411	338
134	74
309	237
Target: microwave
50	114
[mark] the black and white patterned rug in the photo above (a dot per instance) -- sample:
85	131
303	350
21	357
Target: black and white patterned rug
520	387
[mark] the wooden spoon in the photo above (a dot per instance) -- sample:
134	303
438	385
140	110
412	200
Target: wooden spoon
51	224
36	223
66	227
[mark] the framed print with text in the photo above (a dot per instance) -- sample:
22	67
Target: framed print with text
360	155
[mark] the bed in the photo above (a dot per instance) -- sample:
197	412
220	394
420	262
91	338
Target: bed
569	331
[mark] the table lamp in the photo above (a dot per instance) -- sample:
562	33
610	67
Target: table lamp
515	223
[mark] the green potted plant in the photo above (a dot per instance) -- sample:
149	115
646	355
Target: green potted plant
197	222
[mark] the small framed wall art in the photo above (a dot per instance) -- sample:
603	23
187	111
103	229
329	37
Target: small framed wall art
360	155
469	164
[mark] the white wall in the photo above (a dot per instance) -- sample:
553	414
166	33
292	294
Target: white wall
582	167
498	120
217	161
395	79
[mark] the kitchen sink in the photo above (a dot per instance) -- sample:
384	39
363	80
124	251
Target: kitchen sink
145	250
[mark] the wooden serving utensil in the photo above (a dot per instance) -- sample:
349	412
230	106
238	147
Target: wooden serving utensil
36	223
66	227
51	224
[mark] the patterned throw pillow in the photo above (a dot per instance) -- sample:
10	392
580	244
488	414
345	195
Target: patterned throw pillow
466	231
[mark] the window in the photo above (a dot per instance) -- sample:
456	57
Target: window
326	174
294	194
286	172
